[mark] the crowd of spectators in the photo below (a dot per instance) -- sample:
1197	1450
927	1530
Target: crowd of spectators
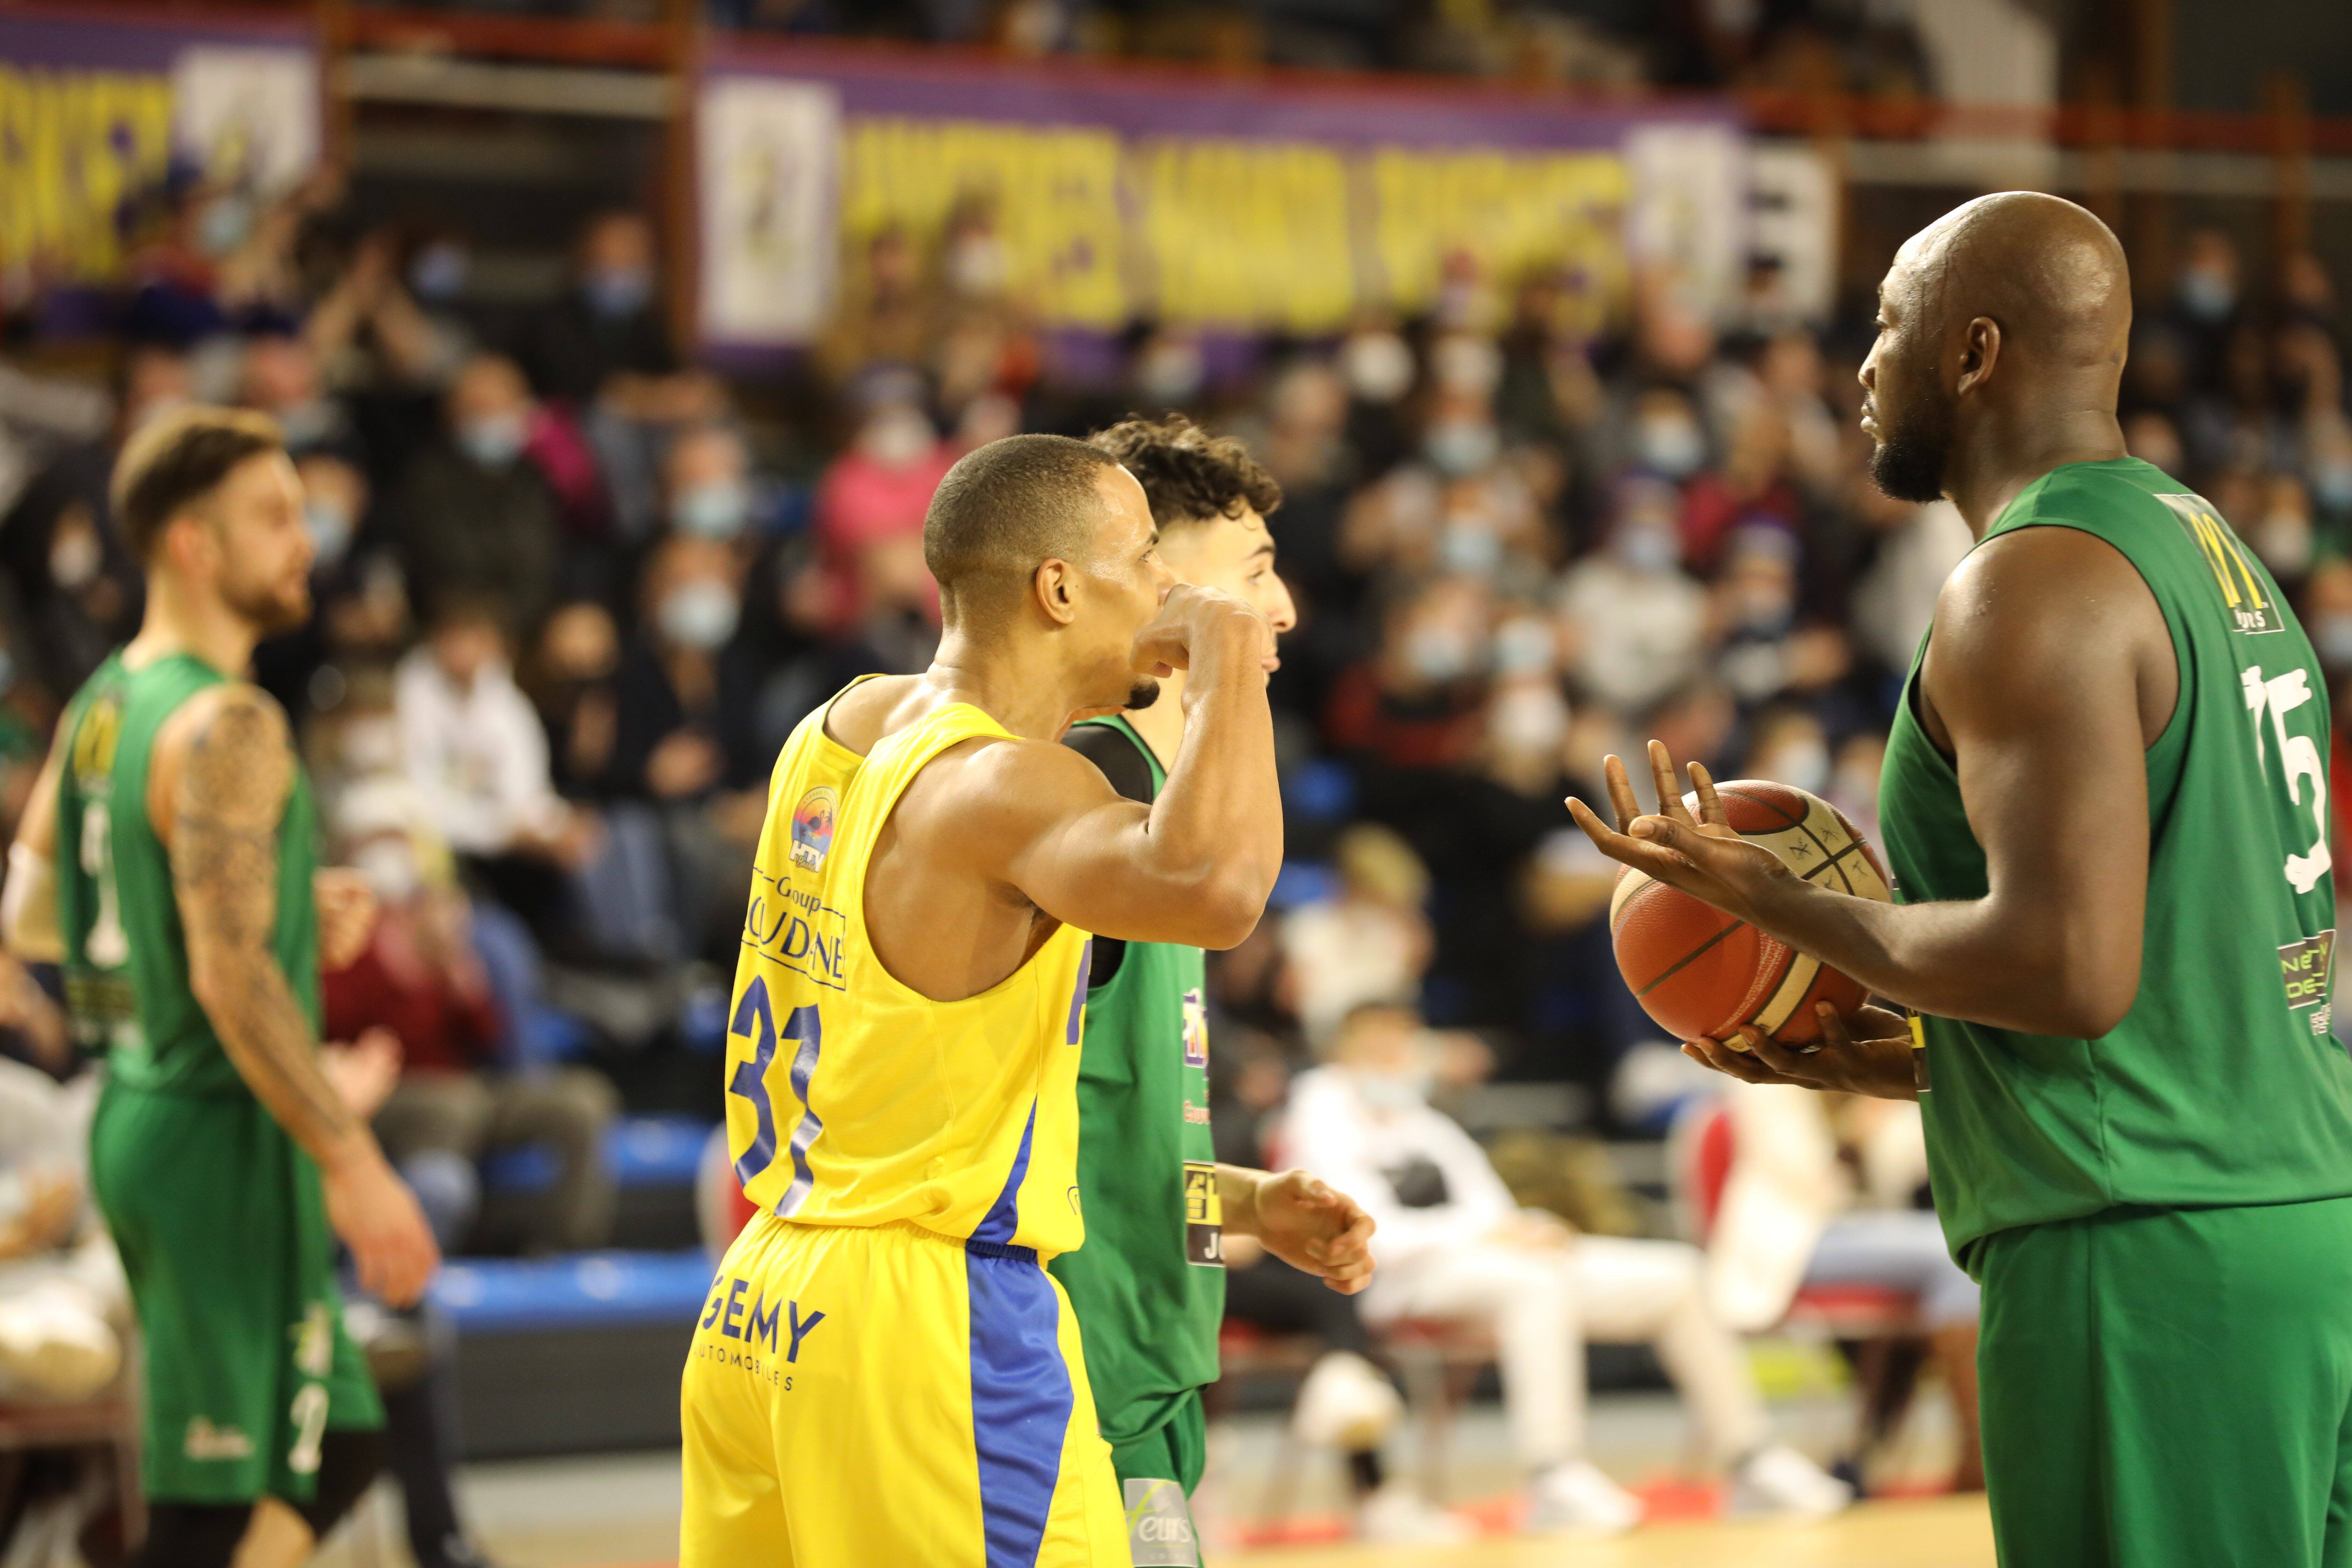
574	590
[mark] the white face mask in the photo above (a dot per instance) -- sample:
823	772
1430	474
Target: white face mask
1671	445
1529	718
390	866
1804	763
372	745
330	524
1378	366
1390	1090
700	615
1459	447
716	510
75	554
898	438
1648	548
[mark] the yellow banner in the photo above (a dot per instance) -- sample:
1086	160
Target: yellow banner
1511	210
73	145
1232	233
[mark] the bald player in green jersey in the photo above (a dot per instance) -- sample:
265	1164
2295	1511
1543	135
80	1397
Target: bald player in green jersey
169	858
2104	801
1148	1286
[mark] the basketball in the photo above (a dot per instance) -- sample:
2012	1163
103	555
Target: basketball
1699	973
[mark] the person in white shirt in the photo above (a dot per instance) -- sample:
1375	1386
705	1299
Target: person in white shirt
476	751
1452	1244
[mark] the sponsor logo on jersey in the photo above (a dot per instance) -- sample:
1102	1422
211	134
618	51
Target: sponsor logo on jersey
1196	1029
2308	967
812	822
1204	1217
207	1441
2252	610
1158	1525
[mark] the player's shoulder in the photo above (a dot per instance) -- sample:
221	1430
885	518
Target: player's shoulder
234	734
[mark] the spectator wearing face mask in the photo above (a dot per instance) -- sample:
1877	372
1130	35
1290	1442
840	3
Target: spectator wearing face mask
472	745
682	722
1369	941
1454	1243
1415	704
1637	621
475	518
707	485
607	335
875	493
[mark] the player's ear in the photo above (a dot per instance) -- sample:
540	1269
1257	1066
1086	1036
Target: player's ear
1055	589
1979	351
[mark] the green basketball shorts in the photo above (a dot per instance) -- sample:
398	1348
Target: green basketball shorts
223	1232
2171	1388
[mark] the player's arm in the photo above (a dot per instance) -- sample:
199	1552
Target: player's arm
29	902
2045	643
230	770
1195	865
1308	1224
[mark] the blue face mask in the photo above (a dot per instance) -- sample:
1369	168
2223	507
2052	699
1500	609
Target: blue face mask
714	510
226	224
330	525
2331	482
494	441
619	292
1461	446
1648	548
438	273
2331	636
2207	295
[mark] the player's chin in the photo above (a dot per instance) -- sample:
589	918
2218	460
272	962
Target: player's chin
1142	694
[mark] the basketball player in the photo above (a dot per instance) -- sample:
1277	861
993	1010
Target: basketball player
225	1154
1149	1287
885	1373
2104	801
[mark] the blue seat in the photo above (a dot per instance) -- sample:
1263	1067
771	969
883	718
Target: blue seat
599	1289
639	1150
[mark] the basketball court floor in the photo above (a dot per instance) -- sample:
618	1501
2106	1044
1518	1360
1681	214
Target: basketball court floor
621	1511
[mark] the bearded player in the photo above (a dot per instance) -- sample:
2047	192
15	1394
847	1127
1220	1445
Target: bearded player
2104	801
1149	1287
227	1153
885	1372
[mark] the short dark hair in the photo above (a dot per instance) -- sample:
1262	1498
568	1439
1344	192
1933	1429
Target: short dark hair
1003	510
1188	474
179	459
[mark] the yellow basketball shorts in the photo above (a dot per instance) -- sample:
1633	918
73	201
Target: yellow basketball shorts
873	1397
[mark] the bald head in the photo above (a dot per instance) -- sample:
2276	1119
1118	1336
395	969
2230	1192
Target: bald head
2009	315
2048	271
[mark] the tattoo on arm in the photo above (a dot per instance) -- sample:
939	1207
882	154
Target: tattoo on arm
231	794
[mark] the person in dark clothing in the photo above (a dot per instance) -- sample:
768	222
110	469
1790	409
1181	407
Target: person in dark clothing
609	327
475	519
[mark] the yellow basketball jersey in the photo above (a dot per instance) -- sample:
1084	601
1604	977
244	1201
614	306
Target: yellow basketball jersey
853	1099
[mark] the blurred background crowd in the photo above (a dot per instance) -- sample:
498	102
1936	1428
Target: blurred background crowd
580	574
574	590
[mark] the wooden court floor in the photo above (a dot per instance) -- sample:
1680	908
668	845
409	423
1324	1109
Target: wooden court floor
1939	1533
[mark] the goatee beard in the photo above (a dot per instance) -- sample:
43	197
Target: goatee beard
1909	468
1142	695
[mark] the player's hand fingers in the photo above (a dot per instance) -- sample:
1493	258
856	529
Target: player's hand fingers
1786	1061
1620	792
1670	791
1710	804
1729	1062
1835	1037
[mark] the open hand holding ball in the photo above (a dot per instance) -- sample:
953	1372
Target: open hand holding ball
1694	872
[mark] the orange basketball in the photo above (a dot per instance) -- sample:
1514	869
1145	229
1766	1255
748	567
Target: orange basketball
1697	972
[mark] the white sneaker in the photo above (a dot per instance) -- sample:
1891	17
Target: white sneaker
1396	1515
1779	1482
1575	1499
1346	1403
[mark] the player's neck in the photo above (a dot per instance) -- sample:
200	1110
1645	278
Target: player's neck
200	626
1162	725
2013	450
1020	687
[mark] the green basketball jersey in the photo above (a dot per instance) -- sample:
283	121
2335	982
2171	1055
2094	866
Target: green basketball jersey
2222	1085
126	957
1148	1286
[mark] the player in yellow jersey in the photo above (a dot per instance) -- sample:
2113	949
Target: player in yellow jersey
884	1374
